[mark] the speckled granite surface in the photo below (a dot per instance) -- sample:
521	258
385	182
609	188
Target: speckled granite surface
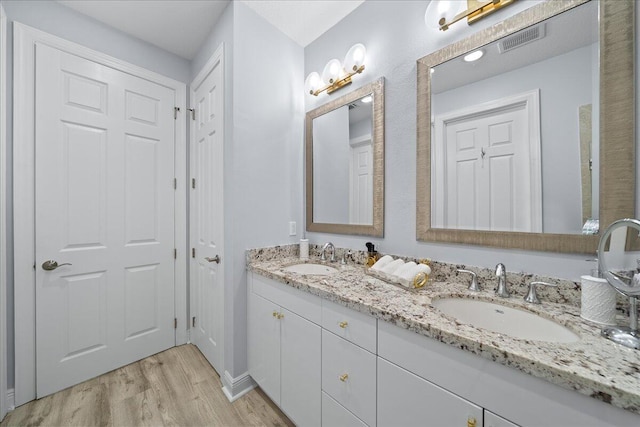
592	366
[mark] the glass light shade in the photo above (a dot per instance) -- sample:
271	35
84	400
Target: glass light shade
355	57
331	71
313	82
439	9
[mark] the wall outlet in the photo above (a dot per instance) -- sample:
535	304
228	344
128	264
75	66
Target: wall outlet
292	228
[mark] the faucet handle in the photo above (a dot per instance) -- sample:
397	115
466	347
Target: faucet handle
532	295
473	286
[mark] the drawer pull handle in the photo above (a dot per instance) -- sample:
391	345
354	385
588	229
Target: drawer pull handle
471	422
343	325
344	377
275	314
280	316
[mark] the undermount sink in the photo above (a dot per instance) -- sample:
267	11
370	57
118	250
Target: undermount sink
311	269
498	318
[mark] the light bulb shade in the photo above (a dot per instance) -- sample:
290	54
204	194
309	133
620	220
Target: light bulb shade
439	9
312	83
331	71
355	57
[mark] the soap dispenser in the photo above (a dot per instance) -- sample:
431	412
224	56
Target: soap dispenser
598	299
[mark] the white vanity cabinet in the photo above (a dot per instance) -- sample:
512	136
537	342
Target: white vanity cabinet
285	349
325	364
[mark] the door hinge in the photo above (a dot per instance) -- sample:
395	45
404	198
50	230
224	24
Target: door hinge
175	112
193	252
175	183
193	183
175	323
193	113
175	253
193	322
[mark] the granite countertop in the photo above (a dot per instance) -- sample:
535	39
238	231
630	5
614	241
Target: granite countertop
592	366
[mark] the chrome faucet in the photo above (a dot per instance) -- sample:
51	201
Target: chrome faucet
501	274
326	246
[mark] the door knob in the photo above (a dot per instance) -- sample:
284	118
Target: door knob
52	265
215	259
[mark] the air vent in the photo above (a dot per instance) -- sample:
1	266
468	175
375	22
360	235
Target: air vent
521	38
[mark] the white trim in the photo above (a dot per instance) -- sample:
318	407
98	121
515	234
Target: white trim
11	403
25	40
235	388
531	102
3	208
217	59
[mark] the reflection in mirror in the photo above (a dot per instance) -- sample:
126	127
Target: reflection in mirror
508	146
345	163
619	262
507	128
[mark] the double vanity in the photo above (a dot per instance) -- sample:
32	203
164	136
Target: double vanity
332	345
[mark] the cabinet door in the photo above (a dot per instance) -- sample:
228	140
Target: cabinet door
493	420
264	345
300	354
336	415
405	399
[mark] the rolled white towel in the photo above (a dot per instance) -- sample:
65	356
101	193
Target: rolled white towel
392	266
385	260
405	270
423	268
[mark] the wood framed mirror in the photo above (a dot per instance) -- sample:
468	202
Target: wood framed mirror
442	136
345	163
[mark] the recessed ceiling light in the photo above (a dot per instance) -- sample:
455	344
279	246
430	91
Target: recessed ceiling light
367	99
474	56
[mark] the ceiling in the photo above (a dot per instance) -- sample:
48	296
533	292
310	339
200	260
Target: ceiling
181	26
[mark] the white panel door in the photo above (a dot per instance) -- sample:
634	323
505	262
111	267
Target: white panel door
104	206
361	177
207	272
488	184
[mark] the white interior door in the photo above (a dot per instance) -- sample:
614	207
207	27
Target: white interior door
104	206
207	278
361	177
490	168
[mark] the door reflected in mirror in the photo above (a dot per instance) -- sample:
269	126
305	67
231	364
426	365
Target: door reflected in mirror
345	163
515	132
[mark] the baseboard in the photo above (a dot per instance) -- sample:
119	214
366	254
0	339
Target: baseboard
11	399
237	387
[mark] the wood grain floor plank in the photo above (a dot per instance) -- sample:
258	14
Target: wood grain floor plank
177	387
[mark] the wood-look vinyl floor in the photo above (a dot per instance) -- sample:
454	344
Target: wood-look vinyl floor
177	387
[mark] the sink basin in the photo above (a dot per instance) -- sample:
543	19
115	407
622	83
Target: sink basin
516	323
311	269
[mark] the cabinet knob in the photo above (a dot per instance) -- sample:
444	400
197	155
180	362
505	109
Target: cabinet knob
280	316
471	422
344	377
275	314
343	325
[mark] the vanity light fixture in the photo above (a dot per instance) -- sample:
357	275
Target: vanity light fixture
335	74
473	56
443	13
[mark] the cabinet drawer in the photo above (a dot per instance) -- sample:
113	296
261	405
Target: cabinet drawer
358	328
406	400
302	303
349	376
335	415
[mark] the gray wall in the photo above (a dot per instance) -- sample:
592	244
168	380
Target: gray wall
565	83
63	22
265	189
395	36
